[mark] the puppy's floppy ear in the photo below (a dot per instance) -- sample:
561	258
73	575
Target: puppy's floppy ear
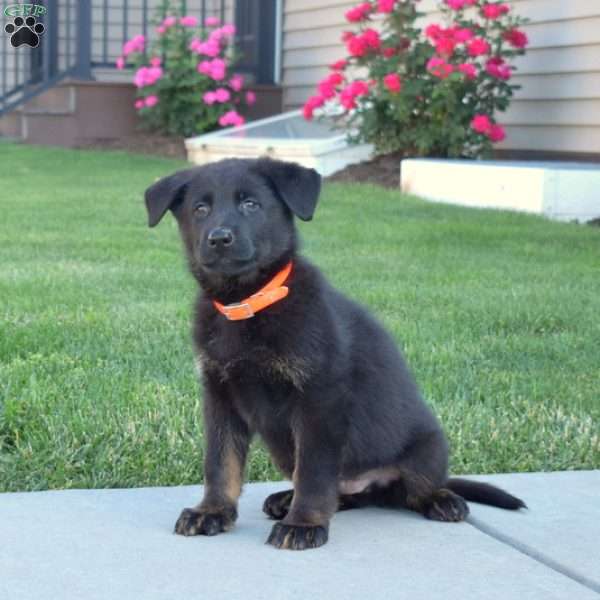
166	194
297	186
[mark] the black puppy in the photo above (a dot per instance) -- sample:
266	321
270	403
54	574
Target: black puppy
300	364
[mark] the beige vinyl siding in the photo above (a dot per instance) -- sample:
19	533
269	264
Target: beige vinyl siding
558	108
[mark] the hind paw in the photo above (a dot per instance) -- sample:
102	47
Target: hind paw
277	506
445	505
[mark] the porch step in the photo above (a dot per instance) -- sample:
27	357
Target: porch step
58	98
49	128
10	125
81	113
74	113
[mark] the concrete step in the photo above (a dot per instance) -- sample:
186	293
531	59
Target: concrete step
109	544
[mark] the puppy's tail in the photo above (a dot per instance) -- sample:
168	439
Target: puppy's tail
484	493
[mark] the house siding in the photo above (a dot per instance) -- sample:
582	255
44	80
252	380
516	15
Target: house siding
558	108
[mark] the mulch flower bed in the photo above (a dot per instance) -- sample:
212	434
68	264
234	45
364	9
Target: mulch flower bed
382	170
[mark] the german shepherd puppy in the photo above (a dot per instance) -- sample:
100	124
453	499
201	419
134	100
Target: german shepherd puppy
300	364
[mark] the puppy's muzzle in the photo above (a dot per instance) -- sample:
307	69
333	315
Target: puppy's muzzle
220	238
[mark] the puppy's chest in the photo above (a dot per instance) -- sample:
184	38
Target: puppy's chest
242	361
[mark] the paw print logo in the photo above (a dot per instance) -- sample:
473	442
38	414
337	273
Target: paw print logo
25	32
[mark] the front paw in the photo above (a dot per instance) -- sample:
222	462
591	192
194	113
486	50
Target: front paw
298	537
200	521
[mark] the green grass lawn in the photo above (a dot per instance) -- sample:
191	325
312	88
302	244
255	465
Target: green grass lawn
498	315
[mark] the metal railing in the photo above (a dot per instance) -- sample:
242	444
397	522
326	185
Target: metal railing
25	71
79	36
137	18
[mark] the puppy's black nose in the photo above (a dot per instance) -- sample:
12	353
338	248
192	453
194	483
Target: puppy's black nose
220	236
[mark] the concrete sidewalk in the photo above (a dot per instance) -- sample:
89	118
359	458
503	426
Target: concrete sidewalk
119	545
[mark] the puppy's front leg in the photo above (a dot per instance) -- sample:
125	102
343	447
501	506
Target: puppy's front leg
227	440
316	470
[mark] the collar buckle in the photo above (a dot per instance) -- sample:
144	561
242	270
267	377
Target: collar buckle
238	311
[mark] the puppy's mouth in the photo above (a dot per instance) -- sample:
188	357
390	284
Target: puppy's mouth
228	265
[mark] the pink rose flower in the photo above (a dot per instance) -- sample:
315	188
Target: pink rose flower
136	44
338	65
155	61
497	133
494	11
463	35
327	87
236	82
351	92
218	69
120	63
516	38
478	47
204	67
310	105
326	90
438	67
393	82
460	4
139	104
151	101
496	67
336	78
469	70
250	97
209	98
215	69
481	124
189	21
356	46
147	76
228	30
222	95
433	31
205	48
169	22
358	13
212	22
445	47
386	6
371	37
231	118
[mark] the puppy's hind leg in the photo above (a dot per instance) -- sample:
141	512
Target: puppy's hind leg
423	472
277	505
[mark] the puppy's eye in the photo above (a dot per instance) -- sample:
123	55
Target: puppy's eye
201	210
249	205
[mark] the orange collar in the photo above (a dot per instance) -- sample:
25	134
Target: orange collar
267	295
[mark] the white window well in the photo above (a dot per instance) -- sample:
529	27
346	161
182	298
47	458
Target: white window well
558	190
285	137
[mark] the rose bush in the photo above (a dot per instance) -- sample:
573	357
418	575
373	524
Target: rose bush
184	79
426	92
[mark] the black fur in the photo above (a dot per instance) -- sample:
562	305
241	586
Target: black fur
314	374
